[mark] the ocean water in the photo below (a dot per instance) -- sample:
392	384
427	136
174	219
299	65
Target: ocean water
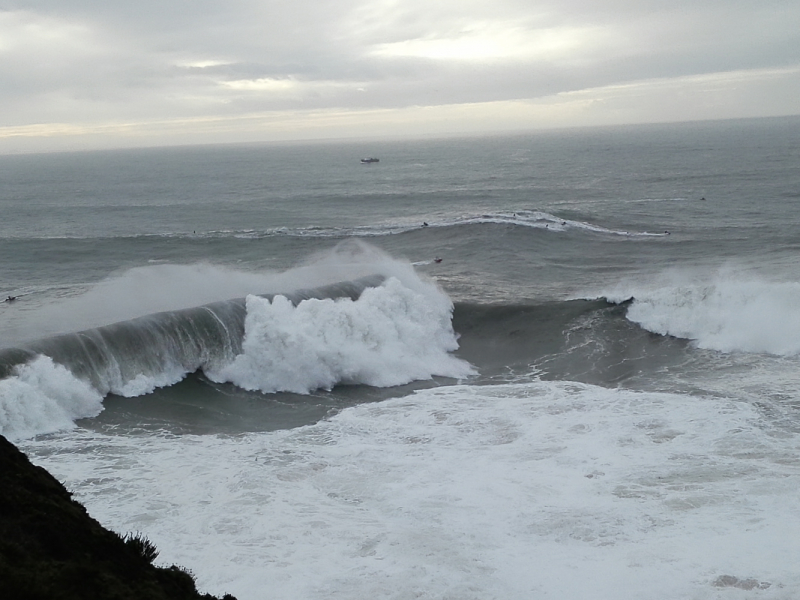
562	364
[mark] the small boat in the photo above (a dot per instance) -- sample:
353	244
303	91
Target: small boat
366	161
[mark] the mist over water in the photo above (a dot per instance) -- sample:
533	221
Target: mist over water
561	364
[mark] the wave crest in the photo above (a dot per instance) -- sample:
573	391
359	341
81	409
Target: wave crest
727	313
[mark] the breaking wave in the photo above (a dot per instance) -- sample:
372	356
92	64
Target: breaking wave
726	312
382	330
390	336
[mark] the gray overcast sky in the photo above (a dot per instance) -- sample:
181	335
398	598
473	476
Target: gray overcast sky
99	73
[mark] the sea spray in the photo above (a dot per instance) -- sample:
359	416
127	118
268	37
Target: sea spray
145	290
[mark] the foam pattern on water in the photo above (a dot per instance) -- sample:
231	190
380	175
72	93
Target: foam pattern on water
539	490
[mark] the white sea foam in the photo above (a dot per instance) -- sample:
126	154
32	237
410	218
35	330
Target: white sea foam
146	384
725	312
390	336
539	490
41	397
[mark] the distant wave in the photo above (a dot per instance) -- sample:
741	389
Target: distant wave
533	219
530	218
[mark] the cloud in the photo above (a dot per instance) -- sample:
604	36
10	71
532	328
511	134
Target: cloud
491	42
87	63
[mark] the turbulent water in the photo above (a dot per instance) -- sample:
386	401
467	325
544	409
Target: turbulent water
553	365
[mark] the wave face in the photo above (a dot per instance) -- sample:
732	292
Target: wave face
726	313
372	330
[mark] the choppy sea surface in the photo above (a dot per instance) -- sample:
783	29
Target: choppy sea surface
562	364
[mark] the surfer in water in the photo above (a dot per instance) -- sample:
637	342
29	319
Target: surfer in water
10	299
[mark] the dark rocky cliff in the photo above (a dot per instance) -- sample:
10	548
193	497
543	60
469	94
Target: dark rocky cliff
50	548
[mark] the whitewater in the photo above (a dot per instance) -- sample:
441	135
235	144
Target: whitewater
503	491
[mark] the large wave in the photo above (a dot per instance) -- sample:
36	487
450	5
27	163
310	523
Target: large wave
726	311
386	329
